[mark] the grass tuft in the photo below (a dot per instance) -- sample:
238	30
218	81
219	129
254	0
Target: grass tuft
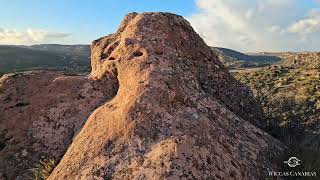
44	168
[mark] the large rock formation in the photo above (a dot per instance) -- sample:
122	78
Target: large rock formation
178	113
40	112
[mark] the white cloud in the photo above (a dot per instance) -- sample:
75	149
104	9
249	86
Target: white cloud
249	13
279	3
230	23
30	36
249	25
40	35
303	39
309	25
245	40
274	28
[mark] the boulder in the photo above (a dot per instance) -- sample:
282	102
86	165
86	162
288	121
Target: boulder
178	113
40	113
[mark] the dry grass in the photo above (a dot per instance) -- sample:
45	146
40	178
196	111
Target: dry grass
43	170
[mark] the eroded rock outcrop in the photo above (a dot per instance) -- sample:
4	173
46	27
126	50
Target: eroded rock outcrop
178	113
40	113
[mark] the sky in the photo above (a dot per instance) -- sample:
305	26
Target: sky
246	25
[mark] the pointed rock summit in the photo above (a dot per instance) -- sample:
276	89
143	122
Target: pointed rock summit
178	113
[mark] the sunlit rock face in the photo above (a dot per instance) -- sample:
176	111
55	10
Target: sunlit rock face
177	114
40	113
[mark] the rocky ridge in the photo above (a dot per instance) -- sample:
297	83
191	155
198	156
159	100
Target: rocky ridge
303	59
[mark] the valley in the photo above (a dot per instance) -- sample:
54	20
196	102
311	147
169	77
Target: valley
290	95
64	58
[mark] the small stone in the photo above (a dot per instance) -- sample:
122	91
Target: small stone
24	153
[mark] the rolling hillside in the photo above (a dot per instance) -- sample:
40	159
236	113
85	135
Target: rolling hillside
234	59
71	59
76	58
69	49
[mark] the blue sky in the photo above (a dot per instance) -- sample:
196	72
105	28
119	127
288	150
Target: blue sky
246	25
85	20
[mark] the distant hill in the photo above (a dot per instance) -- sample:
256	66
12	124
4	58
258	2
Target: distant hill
235	59
70	49
67	58
76	58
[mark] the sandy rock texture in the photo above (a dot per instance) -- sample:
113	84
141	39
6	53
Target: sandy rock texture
40	113
178	113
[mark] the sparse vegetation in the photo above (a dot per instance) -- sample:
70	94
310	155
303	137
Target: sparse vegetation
54	57
290	96
43	170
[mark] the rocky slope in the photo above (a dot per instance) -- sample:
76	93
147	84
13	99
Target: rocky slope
40	113
178	113
304	59
290	95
